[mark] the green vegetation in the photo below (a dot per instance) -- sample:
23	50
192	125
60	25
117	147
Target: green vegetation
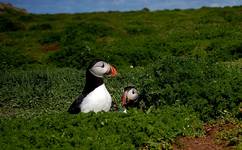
185	63
100	131
233	136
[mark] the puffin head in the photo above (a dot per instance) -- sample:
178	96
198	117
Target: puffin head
129	97
101	68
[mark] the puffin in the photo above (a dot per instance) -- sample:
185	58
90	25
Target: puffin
129	98
95	96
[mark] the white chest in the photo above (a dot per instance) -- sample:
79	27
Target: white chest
98	100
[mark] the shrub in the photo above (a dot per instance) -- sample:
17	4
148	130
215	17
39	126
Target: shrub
96	28
73	35
136	30
209	88
42	26
7	24
74	56
26	17
79	31
51	37
100	131
12	58
145	9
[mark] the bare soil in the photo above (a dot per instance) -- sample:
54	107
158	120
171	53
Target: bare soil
50	47
209	141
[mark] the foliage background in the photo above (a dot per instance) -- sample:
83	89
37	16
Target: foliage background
186	65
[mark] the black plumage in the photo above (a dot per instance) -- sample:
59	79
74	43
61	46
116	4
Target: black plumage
92	82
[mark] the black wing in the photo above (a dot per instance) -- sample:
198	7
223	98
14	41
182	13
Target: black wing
75	106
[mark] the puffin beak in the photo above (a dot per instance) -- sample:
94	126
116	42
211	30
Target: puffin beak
112	72
124	99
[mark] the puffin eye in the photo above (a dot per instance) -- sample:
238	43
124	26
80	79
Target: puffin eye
103	65
132	91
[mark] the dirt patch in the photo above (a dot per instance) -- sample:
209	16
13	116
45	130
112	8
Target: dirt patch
50	47
209	141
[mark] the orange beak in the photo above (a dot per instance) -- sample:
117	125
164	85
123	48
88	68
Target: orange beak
113	71
123	98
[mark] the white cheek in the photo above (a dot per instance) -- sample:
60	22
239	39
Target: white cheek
132	96
98	71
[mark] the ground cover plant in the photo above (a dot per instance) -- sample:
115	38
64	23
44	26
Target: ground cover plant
186	65
100	131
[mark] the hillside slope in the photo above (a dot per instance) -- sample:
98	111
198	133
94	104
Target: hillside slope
129	38
186	65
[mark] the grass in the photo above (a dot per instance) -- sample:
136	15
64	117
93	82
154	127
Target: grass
43	89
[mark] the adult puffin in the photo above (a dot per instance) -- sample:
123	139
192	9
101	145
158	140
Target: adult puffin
129	98
95	97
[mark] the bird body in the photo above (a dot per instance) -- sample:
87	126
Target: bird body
97	100
95	96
